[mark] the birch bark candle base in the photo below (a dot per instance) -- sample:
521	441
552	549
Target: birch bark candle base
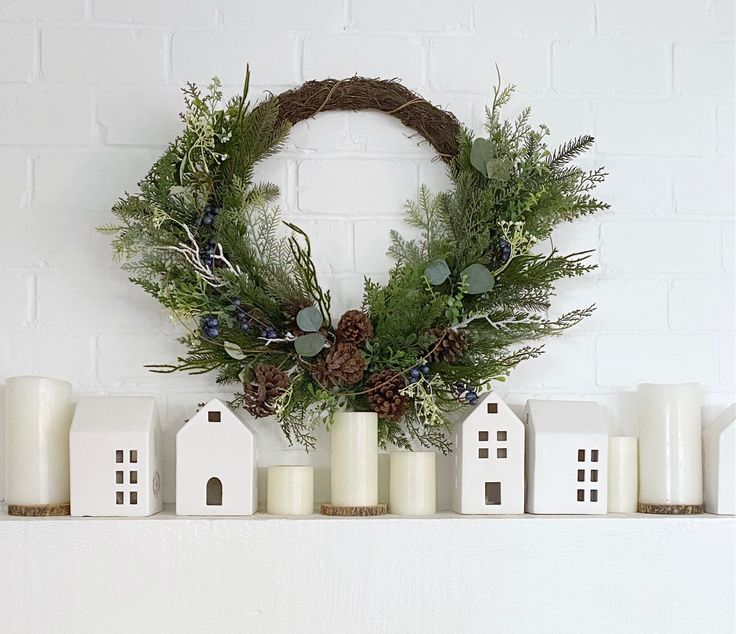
671	509
38	415
353	511
39	510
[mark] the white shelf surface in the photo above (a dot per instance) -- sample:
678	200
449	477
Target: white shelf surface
443	573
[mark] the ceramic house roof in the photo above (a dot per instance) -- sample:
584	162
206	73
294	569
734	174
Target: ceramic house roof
480	412
565	417
117	413
228	416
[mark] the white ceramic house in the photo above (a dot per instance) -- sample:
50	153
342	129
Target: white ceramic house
489	460
566	458
719	464
115	457
215	464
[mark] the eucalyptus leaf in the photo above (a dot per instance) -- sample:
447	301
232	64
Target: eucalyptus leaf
498	169
480	153
437	272
309	319
479	279
309	345
234	350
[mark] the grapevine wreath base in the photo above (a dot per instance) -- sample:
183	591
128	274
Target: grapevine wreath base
461	305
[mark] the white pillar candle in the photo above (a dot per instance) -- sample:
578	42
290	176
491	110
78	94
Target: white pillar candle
413	488
38	415
622	474
670	460
354	459
290	490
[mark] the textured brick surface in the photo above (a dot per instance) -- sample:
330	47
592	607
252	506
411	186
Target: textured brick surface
90	92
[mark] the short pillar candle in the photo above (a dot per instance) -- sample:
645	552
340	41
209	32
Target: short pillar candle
670	459
623	467
290	490
38	415
412	487
354	478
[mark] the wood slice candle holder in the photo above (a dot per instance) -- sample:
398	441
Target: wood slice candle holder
353	511
671	509
39	510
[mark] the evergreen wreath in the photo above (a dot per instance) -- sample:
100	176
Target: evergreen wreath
461	305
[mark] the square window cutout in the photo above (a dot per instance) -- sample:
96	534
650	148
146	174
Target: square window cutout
119	497
483	436
501	452
581	475
133	497
213	417
134	477
483	452
581	495
501	435
493	493
492	408
119	455
119	477
594	475
134	455
593	495
581	455
594	455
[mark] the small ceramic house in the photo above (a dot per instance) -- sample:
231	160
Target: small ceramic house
566	458
719	464
115	457
489	460
215	464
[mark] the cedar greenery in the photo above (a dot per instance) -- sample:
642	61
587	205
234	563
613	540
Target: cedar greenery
207	242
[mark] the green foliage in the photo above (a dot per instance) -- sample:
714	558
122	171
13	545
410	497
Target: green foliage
206	241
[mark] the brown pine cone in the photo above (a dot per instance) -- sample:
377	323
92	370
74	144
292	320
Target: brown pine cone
268	383
354	327
343	364
448	344
384	395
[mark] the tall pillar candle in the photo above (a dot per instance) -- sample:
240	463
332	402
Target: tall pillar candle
290	490
38	415
622	474
670	459
413	486
354	459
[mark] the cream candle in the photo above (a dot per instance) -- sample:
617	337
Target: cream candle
290	490
622	474
670	460
38	414
354	459
412	487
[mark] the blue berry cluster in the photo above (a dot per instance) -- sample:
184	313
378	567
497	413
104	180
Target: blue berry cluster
417	372
210	326
466	393
505	250
210	213
241	316
269	333
208	253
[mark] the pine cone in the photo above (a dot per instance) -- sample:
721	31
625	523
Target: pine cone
268	383
343	364
448	344
384	395
354	327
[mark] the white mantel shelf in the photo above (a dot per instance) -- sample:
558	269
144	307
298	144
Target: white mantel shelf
444	573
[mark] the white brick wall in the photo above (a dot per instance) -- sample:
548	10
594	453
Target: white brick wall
89	93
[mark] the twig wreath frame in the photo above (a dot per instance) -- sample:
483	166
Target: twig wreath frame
462	303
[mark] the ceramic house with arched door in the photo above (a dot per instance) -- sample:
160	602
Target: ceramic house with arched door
489	460
215	464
